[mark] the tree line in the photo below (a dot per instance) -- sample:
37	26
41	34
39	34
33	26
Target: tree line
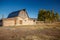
48	16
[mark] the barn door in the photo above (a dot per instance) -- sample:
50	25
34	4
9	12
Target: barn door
20	21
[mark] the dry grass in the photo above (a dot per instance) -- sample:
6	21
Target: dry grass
36	32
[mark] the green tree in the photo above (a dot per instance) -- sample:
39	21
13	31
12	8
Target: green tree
57	17
52	16
40	15
44	15
47	16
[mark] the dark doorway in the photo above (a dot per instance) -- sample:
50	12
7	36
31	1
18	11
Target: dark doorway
20	21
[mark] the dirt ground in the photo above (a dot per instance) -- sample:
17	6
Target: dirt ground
24	33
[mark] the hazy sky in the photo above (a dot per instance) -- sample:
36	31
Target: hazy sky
31	6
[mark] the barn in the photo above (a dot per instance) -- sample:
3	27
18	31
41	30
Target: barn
17	18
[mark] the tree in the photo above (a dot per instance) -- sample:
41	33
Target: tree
44	15
52	16
57	17
47	16
40	15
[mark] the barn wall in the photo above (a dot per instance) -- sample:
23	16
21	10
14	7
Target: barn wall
28	22
8	22
25	21
18	21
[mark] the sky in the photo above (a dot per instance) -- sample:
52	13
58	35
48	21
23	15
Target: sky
32	6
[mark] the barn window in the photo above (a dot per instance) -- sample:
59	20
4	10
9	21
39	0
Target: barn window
20	21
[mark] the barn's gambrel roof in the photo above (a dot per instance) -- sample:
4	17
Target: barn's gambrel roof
16	13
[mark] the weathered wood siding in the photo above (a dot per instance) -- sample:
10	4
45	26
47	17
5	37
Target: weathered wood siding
8	22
